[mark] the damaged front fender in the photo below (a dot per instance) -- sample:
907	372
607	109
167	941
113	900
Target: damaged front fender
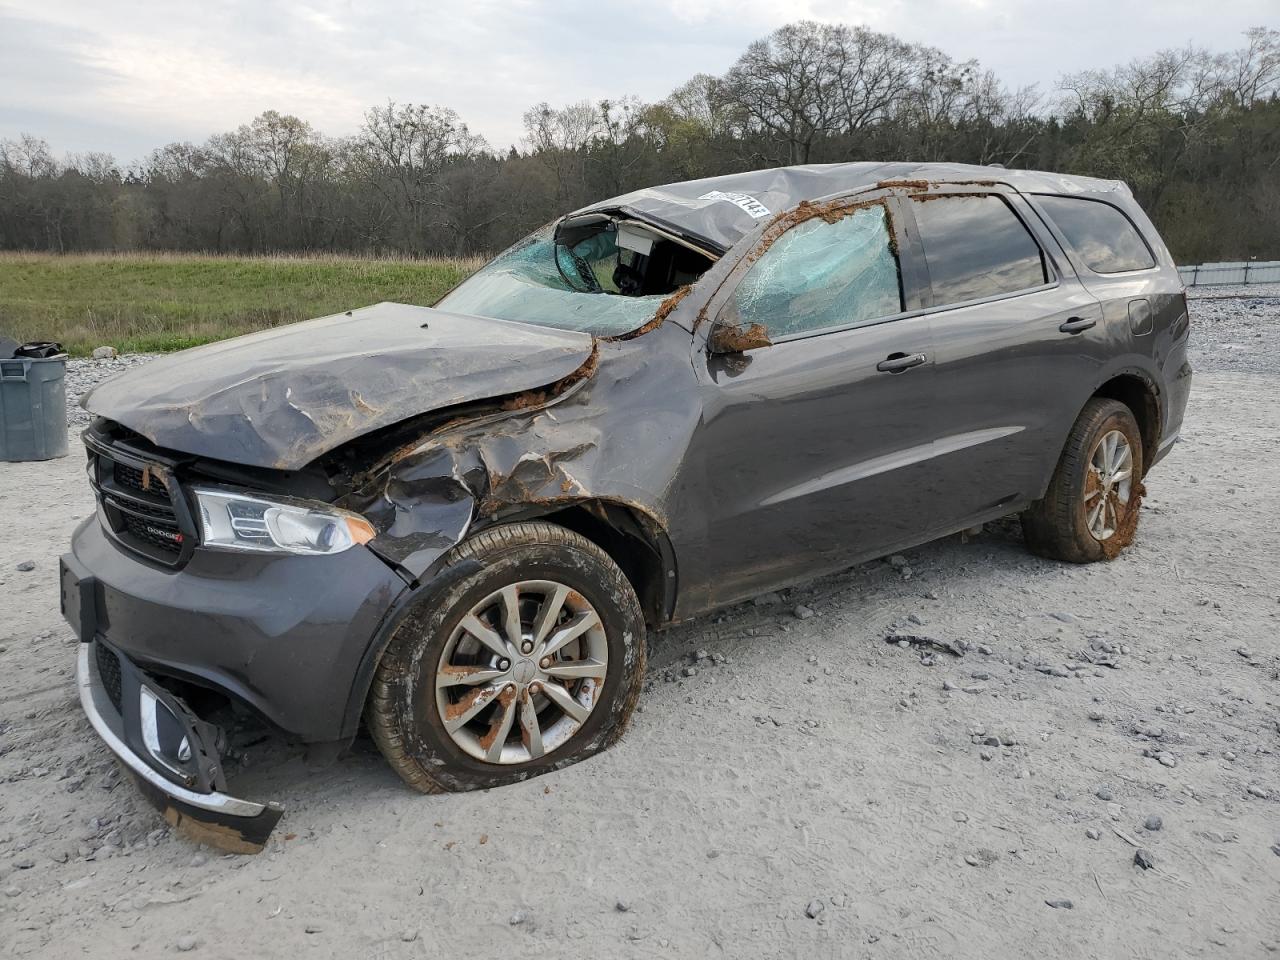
428	493
431	497
542	451
421	517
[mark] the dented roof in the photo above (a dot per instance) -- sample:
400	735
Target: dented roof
717	212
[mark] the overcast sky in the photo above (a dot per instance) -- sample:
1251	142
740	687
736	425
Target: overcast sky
126	76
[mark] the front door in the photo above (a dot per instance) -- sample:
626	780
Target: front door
812	451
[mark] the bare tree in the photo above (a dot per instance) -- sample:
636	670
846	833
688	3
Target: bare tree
28	156
871	75
1252	74
557	137
1196	133
401	152
786	85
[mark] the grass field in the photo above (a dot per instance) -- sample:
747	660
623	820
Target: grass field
156	302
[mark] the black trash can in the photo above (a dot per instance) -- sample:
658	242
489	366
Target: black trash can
33	408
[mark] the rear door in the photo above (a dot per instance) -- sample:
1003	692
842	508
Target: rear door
809	455
1115	263
1139	289
1018	343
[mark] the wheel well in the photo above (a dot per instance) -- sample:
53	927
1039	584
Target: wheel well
635	543
1136	394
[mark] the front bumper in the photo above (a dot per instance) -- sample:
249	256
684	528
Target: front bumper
210	817
285	636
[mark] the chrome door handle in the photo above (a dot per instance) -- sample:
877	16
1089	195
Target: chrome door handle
1077	324
897	362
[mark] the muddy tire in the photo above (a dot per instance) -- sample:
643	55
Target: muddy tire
1087	514
473	691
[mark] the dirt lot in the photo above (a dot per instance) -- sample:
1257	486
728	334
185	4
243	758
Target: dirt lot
806	789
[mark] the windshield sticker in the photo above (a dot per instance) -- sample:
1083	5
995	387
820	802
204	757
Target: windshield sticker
753	207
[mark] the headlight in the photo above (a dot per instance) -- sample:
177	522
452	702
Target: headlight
236	521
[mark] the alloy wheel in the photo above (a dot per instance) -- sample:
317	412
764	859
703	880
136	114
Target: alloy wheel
522	672
1108	484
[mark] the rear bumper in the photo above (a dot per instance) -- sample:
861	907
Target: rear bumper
211	817
1178	391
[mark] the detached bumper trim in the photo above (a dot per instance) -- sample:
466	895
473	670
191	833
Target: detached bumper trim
99	709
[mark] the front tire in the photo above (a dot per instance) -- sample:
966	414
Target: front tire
532	662
1090	510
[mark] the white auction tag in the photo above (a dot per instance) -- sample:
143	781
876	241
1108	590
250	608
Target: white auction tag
753	207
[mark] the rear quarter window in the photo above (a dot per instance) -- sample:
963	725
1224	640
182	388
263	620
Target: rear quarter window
1099	234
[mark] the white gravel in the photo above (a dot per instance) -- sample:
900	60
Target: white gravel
1237	332
809	791
85	374
1232	291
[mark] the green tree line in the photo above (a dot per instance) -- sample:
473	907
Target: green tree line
1195	133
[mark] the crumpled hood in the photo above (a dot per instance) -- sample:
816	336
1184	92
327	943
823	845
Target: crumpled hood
283	397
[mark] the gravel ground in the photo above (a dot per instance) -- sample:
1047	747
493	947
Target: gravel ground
1233	291
84	375
806	788
1236	330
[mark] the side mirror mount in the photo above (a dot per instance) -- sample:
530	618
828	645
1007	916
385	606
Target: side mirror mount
729	337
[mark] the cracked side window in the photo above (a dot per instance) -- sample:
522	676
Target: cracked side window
821	275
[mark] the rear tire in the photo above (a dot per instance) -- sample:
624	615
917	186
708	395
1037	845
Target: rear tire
1090	510
472	691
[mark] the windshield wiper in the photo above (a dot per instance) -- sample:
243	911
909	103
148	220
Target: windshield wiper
585	274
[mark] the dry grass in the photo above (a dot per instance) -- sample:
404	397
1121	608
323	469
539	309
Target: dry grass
168	301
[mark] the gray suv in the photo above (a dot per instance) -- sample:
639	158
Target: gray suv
459	522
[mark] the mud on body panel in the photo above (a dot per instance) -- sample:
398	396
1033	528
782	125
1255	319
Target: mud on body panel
548	450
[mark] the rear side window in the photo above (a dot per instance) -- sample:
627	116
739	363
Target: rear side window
976	247
1103	237
821	275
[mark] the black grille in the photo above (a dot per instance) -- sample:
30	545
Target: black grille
136	500
153	510
132	478
109	672
148	531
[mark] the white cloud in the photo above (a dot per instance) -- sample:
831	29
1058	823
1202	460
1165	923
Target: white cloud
320	19
129	75
198	88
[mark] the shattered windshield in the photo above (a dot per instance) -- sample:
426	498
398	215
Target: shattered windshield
583	287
